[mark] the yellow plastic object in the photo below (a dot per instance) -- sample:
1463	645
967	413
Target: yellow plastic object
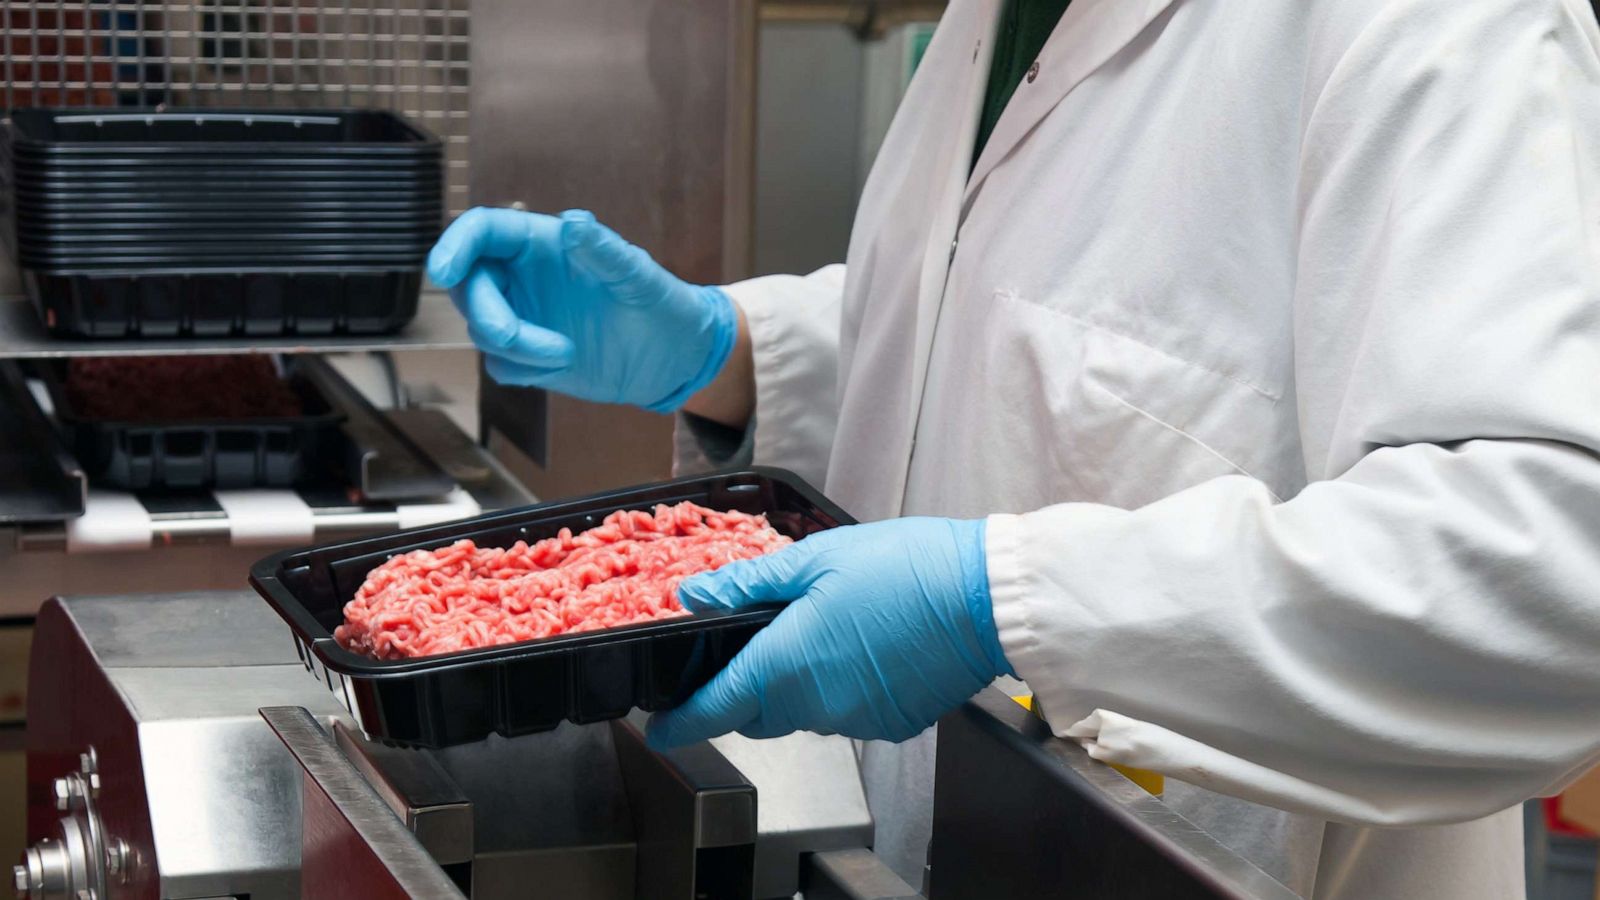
1153	782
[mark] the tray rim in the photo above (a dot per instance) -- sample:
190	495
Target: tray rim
55	386
422	136
170	270
320	643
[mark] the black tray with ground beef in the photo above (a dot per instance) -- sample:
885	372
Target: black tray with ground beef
230	427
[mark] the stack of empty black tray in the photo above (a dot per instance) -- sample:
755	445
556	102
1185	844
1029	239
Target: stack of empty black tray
144	223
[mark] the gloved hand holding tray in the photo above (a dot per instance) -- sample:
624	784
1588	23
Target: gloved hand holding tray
531	685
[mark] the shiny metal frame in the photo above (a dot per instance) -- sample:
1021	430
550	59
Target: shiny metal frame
334	797
1018	812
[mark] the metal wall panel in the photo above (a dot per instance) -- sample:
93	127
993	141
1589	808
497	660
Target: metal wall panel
639	110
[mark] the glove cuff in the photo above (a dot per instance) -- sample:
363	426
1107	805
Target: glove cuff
722	323
980	605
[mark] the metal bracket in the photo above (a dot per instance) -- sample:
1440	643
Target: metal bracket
382	460
853	875
418	790
695	815
351	841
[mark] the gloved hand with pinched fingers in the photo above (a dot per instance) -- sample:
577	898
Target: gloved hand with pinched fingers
567	305
889	626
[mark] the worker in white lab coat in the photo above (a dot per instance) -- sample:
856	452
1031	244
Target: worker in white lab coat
1251	367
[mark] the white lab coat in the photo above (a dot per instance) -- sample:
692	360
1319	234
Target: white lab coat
1269	335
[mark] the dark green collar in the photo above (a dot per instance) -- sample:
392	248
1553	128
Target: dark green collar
1024	27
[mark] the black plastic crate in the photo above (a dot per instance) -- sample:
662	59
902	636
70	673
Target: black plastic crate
190	300
535	685
189	454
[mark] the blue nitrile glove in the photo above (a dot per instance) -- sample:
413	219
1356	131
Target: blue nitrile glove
567	305
890	627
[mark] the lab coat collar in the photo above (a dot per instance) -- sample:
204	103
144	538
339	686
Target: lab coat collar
975	23
1090	33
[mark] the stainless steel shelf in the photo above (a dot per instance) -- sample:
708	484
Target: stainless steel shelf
437	327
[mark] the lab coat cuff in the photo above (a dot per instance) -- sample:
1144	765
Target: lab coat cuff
789	414
701	445
1013	590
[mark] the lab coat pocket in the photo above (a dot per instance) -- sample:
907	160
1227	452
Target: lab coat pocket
1134	423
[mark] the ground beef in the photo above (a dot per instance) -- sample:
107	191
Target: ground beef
178	388
623	571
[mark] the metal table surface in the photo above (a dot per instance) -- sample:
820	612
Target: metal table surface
437	327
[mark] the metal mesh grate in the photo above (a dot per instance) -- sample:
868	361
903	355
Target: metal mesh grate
405	55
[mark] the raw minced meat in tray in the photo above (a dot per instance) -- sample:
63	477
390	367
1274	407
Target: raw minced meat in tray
514	622
622	572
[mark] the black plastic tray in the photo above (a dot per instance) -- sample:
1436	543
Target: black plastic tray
27	170
376	185
319	240
190	300
92	132
242	174
268	206
228	221
240	252
73	176
150	262
284	159
190	454
35	160
535	685
236	194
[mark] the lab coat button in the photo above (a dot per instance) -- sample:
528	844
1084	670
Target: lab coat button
953	247
1033	71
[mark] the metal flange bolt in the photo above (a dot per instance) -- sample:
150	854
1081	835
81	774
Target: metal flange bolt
63	794
117	861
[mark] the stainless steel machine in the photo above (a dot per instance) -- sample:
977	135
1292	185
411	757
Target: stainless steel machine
198	731
179	749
